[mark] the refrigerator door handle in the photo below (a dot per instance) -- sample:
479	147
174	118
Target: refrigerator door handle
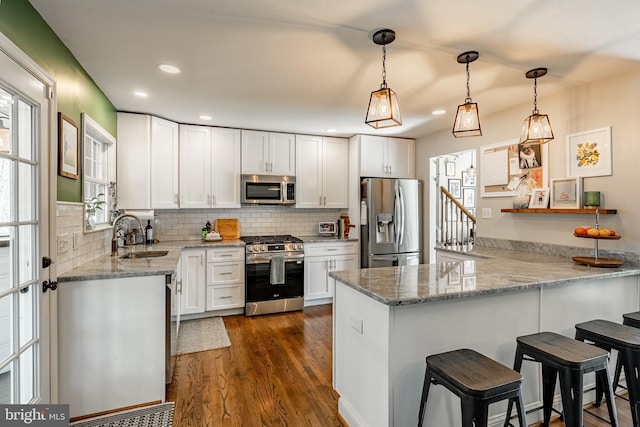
402	213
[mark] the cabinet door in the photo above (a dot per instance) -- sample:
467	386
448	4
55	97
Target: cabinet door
282	154
335	172
372	156
192	270
225	168
316	280
255	152
164	164
401	157
195	166
133	166
309	167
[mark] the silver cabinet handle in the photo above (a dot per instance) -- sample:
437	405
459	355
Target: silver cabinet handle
227	297
175	198
225	274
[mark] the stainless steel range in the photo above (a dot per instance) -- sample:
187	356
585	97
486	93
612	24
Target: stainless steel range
274	270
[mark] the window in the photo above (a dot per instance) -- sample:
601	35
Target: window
99	164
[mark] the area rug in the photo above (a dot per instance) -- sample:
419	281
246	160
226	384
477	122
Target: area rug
201	335
160	415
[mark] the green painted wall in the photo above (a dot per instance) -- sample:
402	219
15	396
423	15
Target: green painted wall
76	91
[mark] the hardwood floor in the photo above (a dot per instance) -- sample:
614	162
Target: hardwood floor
277	372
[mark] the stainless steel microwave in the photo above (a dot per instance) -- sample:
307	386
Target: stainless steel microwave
268	190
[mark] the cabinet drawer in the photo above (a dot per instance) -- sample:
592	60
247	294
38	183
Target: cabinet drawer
219	297
225	272
322	249
225	254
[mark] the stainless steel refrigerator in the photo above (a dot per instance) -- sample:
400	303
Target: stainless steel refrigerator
390	222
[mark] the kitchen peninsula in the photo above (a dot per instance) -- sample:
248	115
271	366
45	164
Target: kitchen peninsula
387	320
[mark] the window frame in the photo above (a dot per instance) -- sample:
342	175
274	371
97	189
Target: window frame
91	130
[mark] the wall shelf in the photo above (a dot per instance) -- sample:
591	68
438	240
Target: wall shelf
590	211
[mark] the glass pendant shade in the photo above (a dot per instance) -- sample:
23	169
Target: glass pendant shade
536	130
467	121
383	109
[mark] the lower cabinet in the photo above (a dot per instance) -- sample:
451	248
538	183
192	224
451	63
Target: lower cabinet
210	279
191	281
319	260
225	278
111	343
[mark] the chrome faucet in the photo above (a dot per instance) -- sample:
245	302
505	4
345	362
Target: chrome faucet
114	238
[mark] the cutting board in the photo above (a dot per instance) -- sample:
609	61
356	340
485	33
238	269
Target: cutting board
229	228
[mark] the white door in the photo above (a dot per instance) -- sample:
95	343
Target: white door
24	229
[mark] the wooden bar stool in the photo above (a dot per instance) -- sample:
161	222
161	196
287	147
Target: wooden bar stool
629	319
626	340
569	360
477	380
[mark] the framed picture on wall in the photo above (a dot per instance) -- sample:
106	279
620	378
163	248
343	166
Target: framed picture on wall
469	197
455	187
468	180
589	153
539	198
67	147
451	168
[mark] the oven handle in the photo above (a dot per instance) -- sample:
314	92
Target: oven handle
266	260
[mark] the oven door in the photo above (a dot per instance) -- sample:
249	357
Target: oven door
259	288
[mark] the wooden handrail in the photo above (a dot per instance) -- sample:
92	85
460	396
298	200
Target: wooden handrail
458	204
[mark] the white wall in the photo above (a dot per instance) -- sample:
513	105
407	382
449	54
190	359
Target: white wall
609	102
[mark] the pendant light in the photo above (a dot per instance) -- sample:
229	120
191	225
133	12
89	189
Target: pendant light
467	122
383	108
536	129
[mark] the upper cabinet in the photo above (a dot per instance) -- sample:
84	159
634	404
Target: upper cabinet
164	164
387	157
322	165
268	153
147	162
209	167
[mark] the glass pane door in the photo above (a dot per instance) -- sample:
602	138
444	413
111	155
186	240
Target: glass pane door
23	352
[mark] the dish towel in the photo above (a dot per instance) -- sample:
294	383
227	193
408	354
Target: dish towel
277	270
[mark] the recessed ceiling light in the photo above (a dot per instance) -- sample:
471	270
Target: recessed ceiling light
141	94
205	117
438	112
170	69
330	130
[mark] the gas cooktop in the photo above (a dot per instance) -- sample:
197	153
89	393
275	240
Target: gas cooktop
267	240
272	244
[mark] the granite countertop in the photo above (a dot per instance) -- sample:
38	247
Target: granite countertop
107	266
425	283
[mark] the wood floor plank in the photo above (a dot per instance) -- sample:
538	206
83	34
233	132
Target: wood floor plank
277	372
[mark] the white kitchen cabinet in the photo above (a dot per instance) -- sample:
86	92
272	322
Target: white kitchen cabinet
133	165
323	170
164	164
225	278
111	343
387	157
191	281
209	167
268	153
319	260
147	168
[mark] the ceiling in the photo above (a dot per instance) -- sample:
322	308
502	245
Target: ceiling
305	66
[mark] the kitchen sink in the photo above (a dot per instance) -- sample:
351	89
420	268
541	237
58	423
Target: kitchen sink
144	254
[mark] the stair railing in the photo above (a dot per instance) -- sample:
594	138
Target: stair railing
457	226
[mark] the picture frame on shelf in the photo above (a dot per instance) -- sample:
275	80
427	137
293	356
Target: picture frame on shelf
469	197
566	193
539	198
454	187
589	153
468	180
68	152
450	168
